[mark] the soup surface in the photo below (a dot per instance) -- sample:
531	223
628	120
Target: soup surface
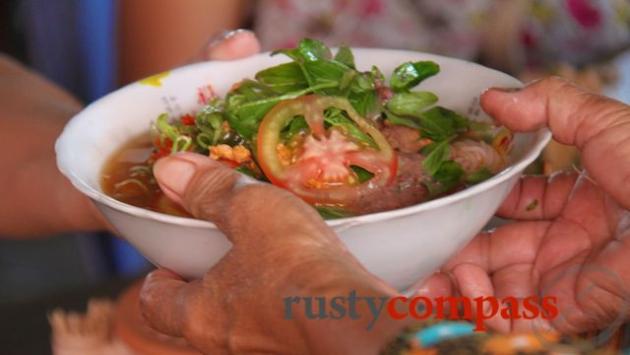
128	178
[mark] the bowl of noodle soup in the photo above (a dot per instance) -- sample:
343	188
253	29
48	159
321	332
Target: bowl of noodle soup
402	246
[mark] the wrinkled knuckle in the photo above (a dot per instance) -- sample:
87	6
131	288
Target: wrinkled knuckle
266	196
617	115
596	313
192	326
568	325
195	326
206	188
600	305
212	181
204	207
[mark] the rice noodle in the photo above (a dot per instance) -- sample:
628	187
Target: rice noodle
475	155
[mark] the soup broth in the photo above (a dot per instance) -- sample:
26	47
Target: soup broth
128	178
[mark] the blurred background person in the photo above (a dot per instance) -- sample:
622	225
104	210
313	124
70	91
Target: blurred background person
508	35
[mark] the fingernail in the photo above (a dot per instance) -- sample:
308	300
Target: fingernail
507	90
174	174
222	37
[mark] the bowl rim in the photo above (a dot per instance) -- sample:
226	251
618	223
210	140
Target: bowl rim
542	137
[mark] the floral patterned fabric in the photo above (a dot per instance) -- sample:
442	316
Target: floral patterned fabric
574	31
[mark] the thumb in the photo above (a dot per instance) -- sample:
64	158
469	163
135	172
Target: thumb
201	185
248	214
598	126
573	115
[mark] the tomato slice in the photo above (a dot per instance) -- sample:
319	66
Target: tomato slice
318	166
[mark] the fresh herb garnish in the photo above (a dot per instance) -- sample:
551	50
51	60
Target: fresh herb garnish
345	56
449	174
401	121
283	78
328	212
408	75
439	154
336	118
411	103
313	70
296	126
307	50
440	123
478	176
362	174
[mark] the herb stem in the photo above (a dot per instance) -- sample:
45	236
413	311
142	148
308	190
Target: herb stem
291	95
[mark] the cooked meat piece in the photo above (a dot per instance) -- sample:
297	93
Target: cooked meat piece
408	188
404	139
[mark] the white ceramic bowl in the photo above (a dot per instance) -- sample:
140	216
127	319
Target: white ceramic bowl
401	246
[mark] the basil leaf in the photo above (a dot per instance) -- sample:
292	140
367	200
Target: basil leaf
323	72
439	123
347	79
362	94
364	103
363	82
297	125
377	75
283	78
292	53
306	51
427	149
336	118
245	119
410	74
449	175
245	116
479	176
344	55
362	174
328	212
460	122
247	91
312	50
434	126
210	119
402	121
440	153
246	105
411	103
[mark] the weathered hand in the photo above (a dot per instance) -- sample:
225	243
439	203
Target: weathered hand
572	236
281	248
33	112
